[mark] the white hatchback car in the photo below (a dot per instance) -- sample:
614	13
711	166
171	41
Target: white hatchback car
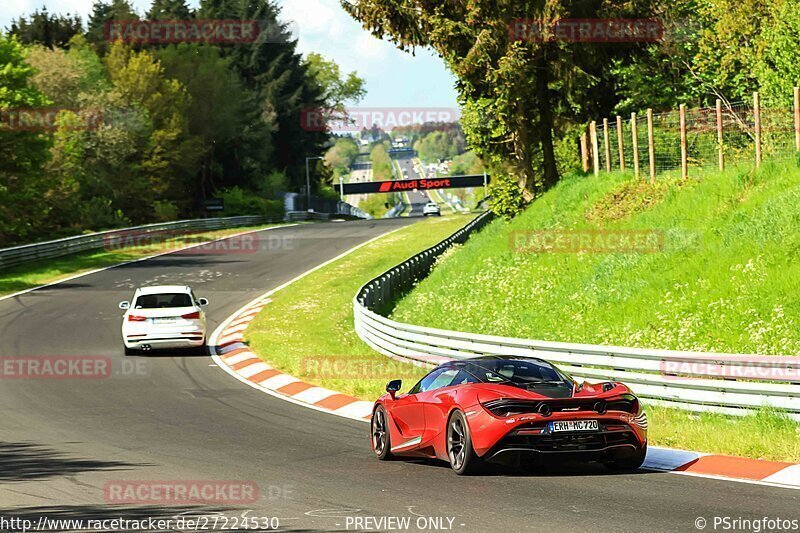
431	208
163	317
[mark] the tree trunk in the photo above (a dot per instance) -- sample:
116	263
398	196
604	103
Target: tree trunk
549	167
526	177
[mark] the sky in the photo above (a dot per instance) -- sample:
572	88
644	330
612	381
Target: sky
393	78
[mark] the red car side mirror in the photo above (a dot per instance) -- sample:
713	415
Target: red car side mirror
393	386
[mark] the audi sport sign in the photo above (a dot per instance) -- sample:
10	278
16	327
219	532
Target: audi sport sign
452	182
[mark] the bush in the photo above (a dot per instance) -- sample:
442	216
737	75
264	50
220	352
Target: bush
97	214
240	202
507	200
272	184
165	211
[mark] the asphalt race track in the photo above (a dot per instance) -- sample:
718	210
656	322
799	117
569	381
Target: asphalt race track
182	418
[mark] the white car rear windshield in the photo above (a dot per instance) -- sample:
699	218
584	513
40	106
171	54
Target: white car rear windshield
163	301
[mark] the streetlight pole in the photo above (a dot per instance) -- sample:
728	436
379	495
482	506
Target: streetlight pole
308	183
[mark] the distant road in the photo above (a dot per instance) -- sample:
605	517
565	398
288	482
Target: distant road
417	199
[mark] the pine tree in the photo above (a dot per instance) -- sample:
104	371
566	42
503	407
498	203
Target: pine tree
169	10
43	28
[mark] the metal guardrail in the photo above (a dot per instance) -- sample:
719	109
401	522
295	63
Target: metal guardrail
19	255
725	383
395	211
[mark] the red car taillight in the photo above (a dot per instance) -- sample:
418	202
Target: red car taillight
192	316
136	318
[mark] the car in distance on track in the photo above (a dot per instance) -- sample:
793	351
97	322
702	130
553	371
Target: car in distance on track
163	317
509	410
431	208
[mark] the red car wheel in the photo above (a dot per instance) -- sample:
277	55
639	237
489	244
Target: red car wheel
463	459
381	443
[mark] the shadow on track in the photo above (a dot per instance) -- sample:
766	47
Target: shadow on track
554	469
24	461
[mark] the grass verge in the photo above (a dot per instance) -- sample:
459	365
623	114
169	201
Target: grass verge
765	434
721	274
307	329
39	273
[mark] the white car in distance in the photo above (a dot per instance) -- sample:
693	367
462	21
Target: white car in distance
163	317
431	208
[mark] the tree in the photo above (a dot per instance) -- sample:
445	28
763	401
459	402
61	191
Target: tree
168	153
169	10
466	164
282	88
62	75
341	156
222	115
104	13
440	145
22	153
336	89
512	91
381	163
46	29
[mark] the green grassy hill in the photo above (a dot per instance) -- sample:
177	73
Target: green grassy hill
719	269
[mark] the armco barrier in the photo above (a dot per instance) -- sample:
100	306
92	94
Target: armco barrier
726	383
80	243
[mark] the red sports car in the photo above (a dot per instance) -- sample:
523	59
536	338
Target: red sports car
507	410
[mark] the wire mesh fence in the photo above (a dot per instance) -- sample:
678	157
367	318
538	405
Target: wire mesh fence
731	134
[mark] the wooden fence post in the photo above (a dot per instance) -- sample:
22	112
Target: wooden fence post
797	118
635	135
606	145
595	159
620	144
584	152
720	151
757	121
684	154
651	146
